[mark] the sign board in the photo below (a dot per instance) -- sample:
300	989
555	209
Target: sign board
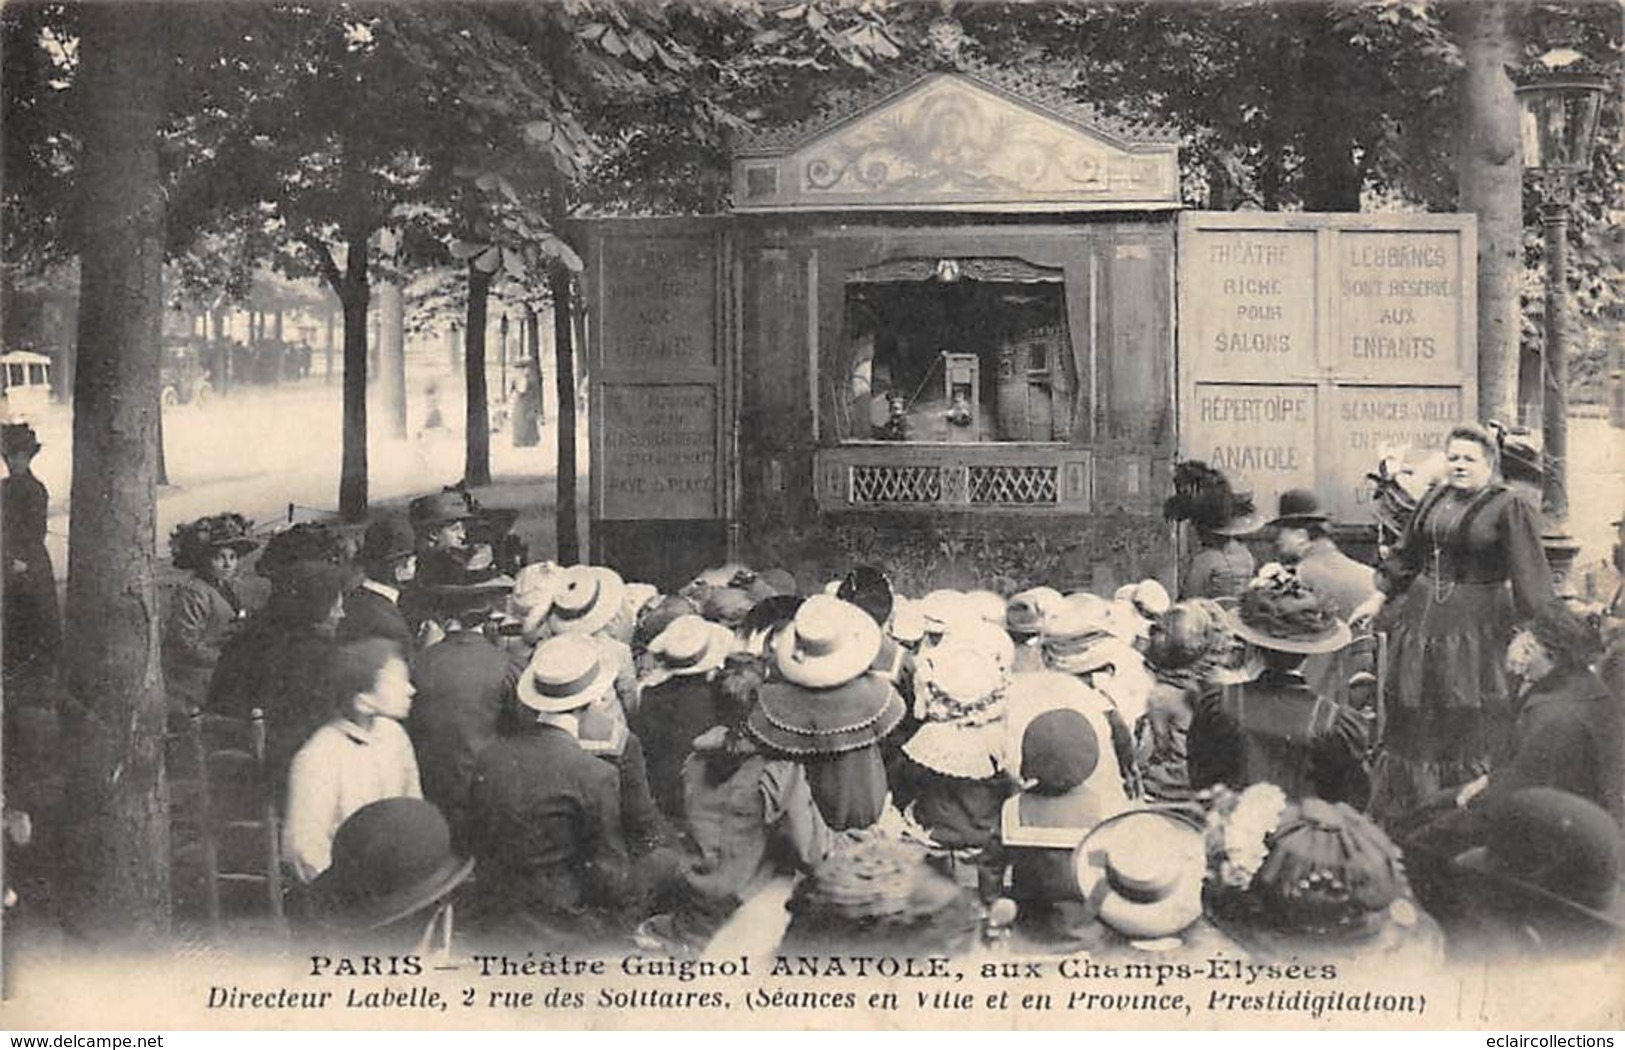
660	458
1311	344
660	373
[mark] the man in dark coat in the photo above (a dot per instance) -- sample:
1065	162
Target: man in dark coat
1303	539
388	557
545	816
463	684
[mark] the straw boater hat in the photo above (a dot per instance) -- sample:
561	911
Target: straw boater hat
390	858
907	624
1149	598
1143	870
690	646
1280	611
829	642
586	599
565	674
988	605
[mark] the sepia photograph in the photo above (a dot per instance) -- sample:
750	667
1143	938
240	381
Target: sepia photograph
584	515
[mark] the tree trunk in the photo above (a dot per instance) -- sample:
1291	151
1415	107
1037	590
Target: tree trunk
568	536
331	318
354	297
533	333
116	872
477	416
161	470
219	351
1490	164
392	354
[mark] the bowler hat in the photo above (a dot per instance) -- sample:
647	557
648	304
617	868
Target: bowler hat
1571	641
1551	846
1297	508
390	858
566	673
387	538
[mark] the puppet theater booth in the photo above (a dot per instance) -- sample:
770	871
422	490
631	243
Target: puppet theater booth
935	334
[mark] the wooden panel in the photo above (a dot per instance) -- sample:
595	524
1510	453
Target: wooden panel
1262	437
1400	305
660	456
659	311
1364	322
1137	350
1252	314
1367	420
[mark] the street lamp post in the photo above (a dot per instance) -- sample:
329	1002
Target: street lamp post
1559	101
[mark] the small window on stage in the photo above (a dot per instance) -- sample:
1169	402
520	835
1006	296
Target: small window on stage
956	350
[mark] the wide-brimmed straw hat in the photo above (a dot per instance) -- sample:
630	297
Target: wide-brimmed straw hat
1280	611
829	642
691	645
390	858
800	721
586	599
565	673
1143	870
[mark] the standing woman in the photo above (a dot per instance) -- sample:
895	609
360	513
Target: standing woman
32	628
1468	570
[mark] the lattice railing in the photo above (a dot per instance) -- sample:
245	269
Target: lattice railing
1008	485
895	484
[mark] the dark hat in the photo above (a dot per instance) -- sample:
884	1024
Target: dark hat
801	721
1570	640
1297	508
1204	497
1553	846
191	543
18	437
437	509
306	590
1059	750
727	605
305	541
868	588
1279	611
1328	879
390	859
460	599
387	538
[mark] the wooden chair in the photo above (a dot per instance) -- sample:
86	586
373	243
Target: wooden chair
224	815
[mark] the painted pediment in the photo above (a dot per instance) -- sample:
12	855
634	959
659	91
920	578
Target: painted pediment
951	140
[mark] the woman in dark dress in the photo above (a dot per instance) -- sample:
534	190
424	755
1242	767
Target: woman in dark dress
1468	570
32	626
